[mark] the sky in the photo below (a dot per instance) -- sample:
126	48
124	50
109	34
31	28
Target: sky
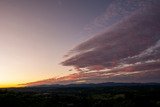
79	41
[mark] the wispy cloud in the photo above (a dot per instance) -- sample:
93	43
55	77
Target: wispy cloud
115	12
134	39
127	51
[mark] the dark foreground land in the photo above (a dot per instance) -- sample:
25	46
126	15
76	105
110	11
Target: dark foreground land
81	96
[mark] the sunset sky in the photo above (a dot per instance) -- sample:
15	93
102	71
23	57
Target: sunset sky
79	41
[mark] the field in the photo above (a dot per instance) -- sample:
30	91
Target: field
105	96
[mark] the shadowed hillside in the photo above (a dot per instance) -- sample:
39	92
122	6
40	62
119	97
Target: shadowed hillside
94	95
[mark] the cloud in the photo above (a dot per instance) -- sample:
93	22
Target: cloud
127	51
128	38
135	40
138	72
116	11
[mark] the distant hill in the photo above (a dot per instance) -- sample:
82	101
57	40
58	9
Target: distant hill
107	84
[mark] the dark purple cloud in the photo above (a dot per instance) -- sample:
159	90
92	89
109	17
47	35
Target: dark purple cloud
133	41
127	51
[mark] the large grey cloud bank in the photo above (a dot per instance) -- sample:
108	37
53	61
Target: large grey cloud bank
131	45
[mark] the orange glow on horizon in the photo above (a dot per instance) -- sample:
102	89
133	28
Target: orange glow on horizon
10	85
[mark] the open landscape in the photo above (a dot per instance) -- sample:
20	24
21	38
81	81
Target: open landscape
79	53
91	95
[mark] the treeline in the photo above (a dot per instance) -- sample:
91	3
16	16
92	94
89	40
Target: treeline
129	96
